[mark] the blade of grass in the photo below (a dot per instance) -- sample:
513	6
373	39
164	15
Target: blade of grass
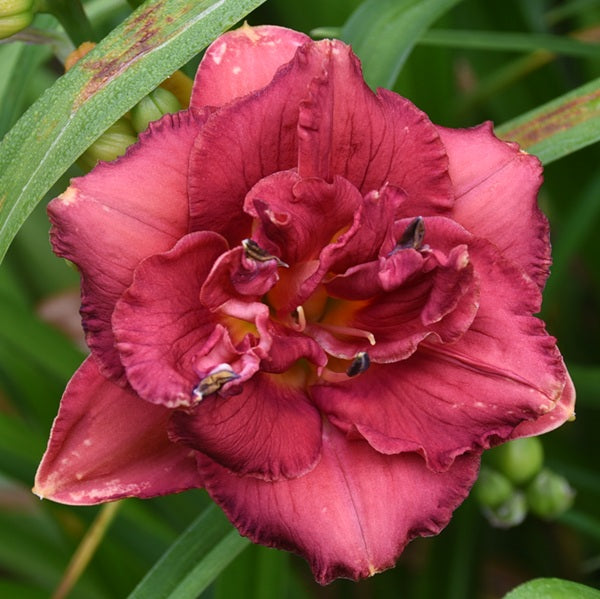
194	560
140	53
383	33
508	41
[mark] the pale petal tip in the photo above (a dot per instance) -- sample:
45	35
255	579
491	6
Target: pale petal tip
69	196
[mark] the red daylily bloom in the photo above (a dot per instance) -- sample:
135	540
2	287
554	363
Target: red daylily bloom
308	299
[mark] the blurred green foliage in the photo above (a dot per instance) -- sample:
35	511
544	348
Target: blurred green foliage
457	85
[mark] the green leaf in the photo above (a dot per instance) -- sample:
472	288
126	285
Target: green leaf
194	560
508	41
383	33
552	588
560	127
158	38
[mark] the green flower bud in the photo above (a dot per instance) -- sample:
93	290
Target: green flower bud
519	460
111	144
492	488
549	494
510	513
155	105
15	15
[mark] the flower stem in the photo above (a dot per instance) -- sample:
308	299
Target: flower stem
72	17
84	553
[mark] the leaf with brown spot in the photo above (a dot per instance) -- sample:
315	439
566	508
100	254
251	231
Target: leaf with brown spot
136	57
560	127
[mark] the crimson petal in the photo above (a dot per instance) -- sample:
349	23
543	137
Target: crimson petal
297	217
243	61
160	324
110	220
106	443
353	514
269	430
470	394
345	129
496	196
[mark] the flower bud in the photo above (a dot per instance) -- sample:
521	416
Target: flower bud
519	460
155	105
549	494
111	144
492	488
509	513
15	15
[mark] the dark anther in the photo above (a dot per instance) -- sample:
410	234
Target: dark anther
213	382
413	235
360	363
254	251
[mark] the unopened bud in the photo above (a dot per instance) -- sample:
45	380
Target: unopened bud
492	488
519	460
509	513
15	15
155	105
111	144
549	494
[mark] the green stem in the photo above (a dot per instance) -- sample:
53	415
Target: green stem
84	553
135	3
72	17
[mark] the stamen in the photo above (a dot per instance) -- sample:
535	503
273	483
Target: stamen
254	251
300	317
360	363
413	235
348	331
216	378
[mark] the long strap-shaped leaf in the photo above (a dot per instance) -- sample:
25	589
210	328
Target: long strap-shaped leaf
143	51
560	127
383	33
194	560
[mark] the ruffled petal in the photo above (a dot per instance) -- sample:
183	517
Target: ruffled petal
404	298
242	143
344	129
450	398
353	514
243	61
269	430
298	217
496	196
235	275
122	212
160	324
106	443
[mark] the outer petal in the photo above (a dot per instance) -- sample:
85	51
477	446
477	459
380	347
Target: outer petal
110	220
243	61
345	129
496	188
563	410
160	324
269	430
107	443
450	398
353	514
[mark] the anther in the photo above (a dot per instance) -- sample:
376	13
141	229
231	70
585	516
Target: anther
360	363
413	235
254	251
216	378
300	318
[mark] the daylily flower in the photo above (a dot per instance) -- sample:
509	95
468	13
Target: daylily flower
311	301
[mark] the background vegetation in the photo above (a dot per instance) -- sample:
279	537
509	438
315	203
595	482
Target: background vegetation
472	61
